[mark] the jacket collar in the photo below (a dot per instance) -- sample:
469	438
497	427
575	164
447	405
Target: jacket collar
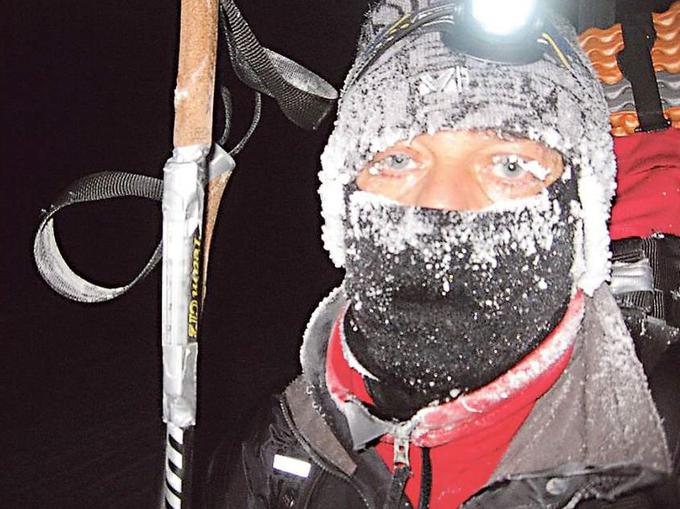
432	426
599	416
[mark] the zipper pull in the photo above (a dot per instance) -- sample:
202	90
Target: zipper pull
401	448
402	471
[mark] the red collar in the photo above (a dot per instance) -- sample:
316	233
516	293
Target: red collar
515	390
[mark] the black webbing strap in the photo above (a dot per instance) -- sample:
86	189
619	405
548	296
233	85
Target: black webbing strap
98	186
228	112
663	253
304	97
652	317
635	62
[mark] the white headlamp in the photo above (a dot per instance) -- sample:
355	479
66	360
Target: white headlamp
502	17
502	31
511	32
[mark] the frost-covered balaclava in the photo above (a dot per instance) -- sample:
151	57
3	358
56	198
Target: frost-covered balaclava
443	302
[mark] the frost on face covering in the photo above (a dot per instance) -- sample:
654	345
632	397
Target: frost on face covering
562	108
443	302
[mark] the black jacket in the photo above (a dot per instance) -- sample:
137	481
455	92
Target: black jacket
595	435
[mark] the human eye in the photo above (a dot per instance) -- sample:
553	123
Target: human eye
514	168
393	164
511	176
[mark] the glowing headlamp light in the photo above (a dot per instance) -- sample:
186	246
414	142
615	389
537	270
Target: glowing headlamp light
504	31
511	32
502	17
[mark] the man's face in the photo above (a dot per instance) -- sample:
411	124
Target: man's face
464	269
461	170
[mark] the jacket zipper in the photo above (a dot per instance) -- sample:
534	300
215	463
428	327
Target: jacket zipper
318	461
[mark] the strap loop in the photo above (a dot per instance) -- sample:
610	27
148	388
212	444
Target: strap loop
98	186
304	97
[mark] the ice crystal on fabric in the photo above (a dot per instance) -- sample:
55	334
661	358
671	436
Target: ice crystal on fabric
563	108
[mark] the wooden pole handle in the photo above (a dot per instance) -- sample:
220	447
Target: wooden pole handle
196	73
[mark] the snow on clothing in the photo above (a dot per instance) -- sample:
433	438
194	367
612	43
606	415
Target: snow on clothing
595	433
419	85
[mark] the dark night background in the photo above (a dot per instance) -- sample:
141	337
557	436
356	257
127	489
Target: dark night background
87	87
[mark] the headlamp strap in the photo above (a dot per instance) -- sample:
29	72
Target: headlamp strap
429	18
635	62
560	47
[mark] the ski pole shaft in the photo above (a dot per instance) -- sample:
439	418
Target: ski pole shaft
196	73
184	189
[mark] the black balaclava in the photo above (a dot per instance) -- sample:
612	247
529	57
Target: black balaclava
443	302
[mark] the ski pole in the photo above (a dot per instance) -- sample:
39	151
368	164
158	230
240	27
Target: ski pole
185	177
